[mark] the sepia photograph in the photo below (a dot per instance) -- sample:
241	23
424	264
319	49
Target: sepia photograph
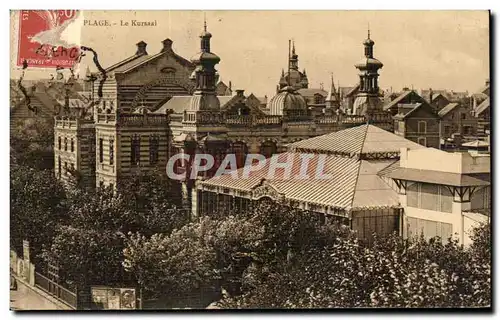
250	159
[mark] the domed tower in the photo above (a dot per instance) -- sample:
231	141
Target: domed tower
367	100
293	77
205	76
204	130
202	116
288	103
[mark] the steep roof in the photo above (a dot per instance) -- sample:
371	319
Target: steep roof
351	183
406	110
222	89
486	89
123	62
395	102
440	96
446	109
137	60
482	107
364	139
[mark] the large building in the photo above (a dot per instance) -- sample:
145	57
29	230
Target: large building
354	194
378	183
443	194
151	106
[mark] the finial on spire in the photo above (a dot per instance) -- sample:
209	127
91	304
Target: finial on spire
205	21
293	47
368	30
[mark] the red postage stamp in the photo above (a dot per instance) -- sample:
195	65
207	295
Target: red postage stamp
43	38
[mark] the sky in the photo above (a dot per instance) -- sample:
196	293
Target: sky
419	49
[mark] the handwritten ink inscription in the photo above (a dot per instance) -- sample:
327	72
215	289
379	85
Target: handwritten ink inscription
39	38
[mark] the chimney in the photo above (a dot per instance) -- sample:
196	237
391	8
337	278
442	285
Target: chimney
167	45
230	85
239	92
141	48
431	94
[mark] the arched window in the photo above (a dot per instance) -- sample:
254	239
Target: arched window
240	151
65	144
72	145
59	143
268	148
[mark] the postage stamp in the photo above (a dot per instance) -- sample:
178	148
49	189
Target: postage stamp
43	38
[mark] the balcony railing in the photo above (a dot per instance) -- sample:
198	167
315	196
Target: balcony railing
251	121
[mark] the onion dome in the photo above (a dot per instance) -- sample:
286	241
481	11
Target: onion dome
369	63
368	42
287	99
205	33
205	56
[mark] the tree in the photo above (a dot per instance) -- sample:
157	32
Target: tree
32	144
232	254
87	256
38	205
173	264
392	273
156	202
98	221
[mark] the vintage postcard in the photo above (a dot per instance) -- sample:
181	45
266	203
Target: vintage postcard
249	160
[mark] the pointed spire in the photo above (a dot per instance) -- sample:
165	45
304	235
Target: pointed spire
332	94
293	47
205	23
205	37
282	72
339	92
305	75
368	30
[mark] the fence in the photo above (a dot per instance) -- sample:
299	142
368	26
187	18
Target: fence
56	290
